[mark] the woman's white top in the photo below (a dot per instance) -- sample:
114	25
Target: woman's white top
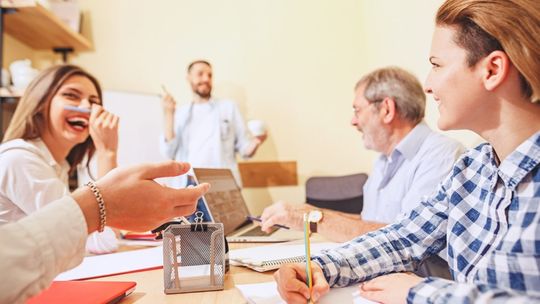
30	178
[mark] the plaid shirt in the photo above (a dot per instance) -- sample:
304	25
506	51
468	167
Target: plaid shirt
490	218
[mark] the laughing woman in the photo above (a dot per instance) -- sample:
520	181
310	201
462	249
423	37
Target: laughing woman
58	124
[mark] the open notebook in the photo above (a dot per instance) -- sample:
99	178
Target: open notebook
265	258
266	293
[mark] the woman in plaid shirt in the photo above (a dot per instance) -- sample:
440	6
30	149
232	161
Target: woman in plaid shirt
485	77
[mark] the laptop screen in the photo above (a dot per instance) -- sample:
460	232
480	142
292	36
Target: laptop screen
224	198
201	205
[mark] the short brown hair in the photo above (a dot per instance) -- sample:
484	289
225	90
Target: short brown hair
400	85
32	113
512	26
190	66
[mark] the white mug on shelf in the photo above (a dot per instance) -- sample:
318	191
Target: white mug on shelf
22	73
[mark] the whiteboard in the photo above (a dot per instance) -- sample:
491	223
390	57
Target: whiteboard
140	127
139	131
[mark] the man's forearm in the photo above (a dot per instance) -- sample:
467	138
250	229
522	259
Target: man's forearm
169	127
252	147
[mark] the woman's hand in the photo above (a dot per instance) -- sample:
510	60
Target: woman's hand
104	129
134	201
291	282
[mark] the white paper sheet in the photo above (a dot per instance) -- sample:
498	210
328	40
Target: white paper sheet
266	293
115	263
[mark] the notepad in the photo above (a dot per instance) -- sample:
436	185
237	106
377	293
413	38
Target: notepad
115	263
266	293
84	292
265	258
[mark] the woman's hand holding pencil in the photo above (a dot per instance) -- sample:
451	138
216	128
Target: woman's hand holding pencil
291	281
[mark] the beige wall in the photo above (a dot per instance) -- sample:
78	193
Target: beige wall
14	50
292	64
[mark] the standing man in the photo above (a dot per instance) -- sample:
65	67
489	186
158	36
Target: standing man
207	132
388	111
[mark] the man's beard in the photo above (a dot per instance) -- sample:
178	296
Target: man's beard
203	93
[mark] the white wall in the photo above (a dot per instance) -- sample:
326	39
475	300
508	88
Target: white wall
290	63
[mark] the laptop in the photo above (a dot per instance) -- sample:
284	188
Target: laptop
224	203
84	292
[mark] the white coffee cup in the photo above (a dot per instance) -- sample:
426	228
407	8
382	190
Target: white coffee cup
5	78
256	127
22	73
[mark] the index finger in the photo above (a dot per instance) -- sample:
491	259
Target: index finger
320	285
169	168
96	110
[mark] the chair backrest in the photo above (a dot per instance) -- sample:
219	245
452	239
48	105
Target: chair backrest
341	193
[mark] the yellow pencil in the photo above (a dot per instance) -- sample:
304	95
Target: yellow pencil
307	246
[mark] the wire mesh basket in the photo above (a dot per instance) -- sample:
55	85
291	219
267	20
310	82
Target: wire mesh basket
193	257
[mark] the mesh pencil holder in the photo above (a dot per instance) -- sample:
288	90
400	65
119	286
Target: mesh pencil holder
193	257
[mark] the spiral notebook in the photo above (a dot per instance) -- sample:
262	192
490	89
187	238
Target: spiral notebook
265	258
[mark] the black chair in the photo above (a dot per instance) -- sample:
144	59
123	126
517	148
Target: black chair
434	266
340	193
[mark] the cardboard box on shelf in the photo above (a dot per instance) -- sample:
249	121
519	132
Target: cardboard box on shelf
68	11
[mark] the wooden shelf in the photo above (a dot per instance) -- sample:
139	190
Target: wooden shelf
40	29
8	93
268	174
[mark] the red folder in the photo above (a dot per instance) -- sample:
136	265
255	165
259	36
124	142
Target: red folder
82	292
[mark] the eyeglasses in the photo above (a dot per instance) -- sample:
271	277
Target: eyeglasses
356	111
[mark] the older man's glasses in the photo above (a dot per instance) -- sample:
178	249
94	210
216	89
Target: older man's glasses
357	110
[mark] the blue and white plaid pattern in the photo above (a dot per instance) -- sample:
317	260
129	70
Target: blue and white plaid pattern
490	218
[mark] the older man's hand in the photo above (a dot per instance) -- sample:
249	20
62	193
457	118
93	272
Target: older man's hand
284	213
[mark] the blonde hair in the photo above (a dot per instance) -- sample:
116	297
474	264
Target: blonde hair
400	85
32	114
512	26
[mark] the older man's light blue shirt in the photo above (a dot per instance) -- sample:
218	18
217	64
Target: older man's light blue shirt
412	171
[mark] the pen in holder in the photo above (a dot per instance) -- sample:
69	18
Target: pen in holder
193	257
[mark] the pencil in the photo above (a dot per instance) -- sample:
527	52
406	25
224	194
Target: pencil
77	109
165	89
307	246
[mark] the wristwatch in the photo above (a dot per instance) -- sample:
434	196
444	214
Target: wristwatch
314	217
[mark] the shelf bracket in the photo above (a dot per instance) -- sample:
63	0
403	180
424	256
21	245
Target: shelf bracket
64	51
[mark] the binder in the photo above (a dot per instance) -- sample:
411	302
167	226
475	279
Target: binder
84	292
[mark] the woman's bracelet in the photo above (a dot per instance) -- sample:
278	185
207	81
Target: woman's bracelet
101	205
